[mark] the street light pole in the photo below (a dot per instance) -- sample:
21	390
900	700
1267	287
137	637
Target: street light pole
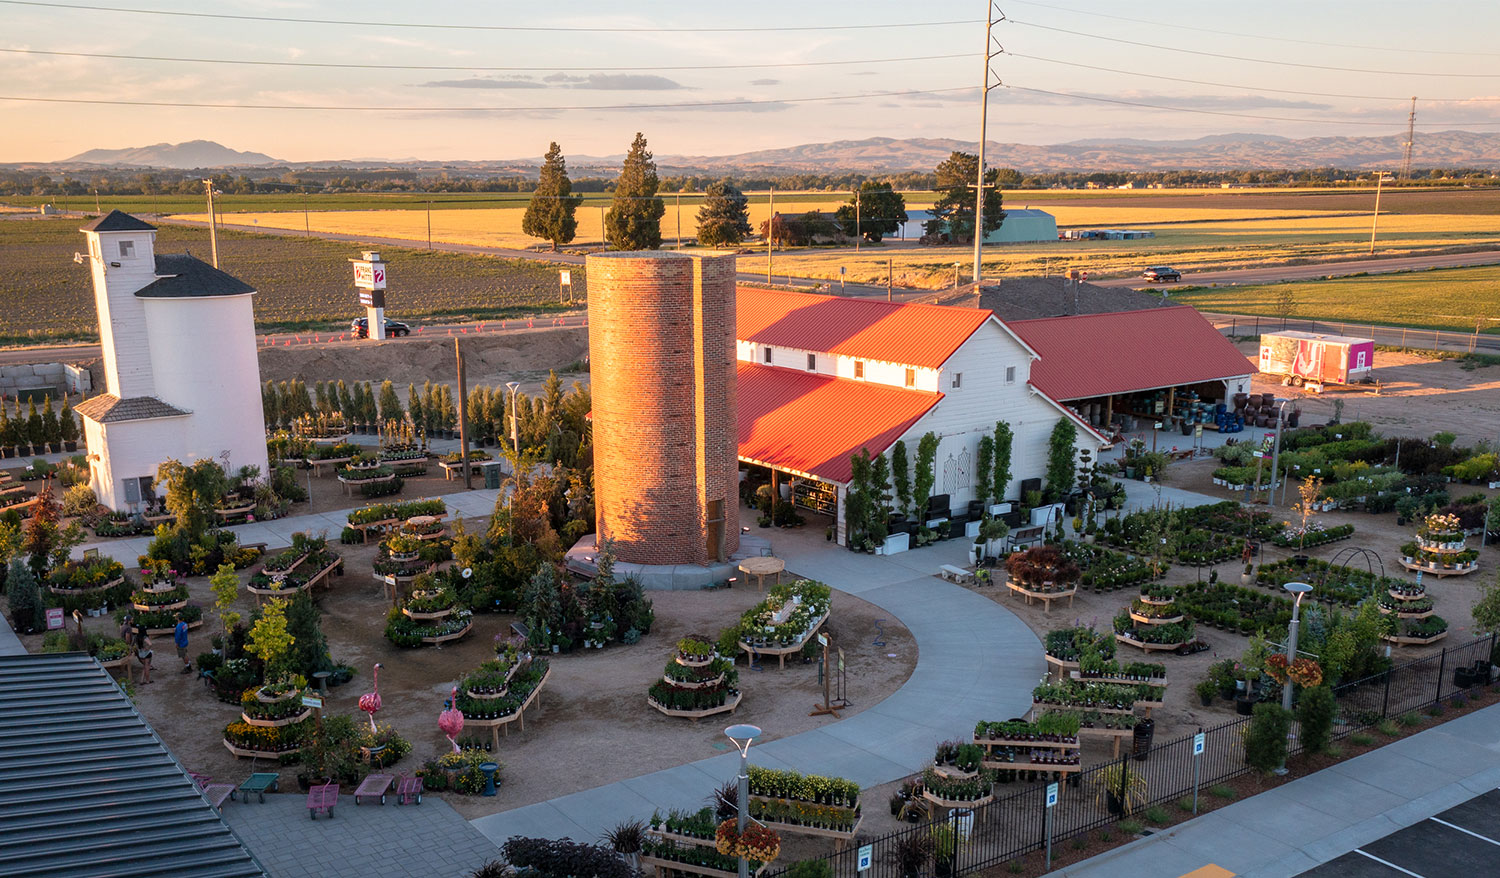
515	433
1276	454
1298	590
742	736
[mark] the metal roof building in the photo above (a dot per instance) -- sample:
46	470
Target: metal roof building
87	789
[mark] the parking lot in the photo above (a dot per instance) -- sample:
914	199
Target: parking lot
1461	842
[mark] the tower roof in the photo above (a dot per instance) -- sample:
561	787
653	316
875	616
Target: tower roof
181	276
118	221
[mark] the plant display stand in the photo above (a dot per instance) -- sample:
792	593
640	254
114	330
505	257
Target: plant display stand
1046	596
424	527
1154	611
1441	548
660	859
1412	603
430	618
311	564
1146	645
383	518
785	621
533	698
1044	573
696	683
1060	757
270	736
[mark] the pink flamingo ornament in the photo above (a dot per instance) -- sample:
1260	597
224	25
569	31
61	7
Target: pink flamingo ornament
451	720
370	701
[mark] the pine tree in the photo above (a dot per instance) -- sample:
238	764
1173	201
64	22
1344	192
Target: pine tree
270	404
724	217
550	214
552	400
415	408
7	429
953	211
36	431
345	404
390	403
26	611
634	219
51	427
320	397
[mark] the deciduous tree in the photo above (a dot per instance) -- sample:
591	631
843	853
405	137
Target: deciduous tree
881	212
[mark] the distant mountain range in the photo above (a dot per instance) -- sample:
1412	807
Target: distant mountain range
885	154
193	154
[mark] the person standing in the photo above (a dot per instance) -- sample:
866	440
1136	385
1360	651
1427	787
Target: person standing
180	638
143	653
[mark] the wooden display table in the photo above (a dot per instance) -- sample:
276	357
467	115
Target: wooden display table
454	469
1062	666
1439	570
1115	734
1144	646
1155	620
59	590
1046	597
950	804
519	717
196	623
444	638
235	511
1402	640
841	837
762	566
317	464
320	576
1154	682
348	484
728	706
781	652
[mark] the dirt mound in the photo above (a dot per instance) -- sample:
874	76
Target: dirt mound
490	358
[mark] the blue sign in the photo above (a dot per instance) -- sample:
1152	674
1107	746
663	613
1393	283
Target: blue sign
1051	794
866	854
1198	744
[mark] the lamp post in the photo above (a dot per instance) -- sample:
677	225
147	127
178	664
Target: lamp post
515	434
1276	454
1298	590
742	735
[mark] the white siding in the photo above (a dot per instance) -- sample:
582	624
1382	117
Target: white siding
130	450
122	321
876	371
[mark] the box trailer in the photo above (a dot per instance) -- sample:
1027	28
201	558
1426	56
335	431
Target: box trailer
1315	360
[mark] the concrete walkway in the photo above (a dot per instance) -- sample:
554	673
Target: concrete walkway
278	532
977	661
1296	826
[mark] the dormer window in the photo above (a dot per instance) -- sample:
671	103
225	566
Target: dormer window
127	249
911	377
767	354
812	362
859	368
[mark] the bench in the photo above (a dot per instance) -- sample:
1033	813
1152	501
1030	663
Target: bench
374	785
1027	535
955	574
520	630
322	797
409	790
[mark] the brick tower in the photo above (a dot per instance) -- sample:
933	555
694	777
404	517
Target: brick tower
662	370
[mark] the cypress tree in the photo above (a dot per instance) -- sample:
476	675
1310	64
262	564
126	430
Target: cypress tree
634	219
36	431
415	409
68	422
390	403
25	598
550	214
51	427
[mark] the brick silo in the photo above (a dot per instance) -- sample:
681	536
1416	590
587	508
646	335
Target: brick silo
662	374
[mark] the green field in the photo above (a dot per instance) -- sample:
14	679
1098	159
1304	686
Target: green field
302	283
1457	299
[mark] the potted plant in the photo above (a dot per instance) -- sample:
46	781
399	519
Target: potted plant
1248	574
1206	689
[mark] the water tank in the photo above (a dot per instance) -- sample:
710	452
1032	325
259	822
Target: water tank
662	375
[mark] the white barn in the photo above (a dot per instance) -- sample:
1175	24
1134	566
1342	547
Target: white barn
821	377
180	364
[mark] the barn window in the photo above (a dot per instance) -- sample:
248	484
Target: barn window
812	362
1010	374
958	380
767	354
859	368
127	249
911	377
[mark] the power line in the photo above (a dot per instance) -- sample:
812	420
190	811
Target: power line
486	27
1105	100
320	64
1228	33
438	109
1164	48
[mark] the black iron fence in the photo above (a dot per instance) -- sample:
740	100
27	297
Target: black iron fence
1015	823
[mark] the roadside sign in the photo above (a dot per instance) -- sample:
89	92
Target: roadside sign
822	639
566	275
841	269
369	275
54	618
1051	794
312	701
866	855
1198	744
1197	431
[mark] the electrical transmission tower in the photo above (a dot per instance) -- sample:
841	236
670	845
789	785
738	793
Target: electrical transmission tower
1411	130
990	51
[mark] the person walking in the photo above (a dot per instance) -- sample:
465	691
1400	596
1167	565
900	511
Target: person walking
143	653
180	638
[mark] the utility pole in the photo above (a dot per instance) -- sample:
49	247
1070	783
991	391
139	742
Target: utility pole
429	229
463	415
887	280
1411	131
1375	221
306	223
770	230
603	234
679	219
856	219
96	201
213	222
984	108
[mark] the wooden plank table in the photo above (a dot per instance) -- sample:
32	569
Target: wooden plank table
781	652
1046	597
494	725
762	566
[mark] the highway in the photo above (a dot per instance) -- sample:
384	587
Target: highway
1317	270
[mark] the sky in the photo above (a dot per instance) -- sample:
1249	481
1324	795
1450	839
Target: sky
1443	53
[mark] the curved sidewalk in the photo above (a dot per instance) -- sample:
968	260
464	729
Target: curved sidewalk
976	661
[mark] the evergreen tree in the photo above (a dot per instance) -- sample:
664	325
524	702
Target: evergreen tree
390	403
51	427
552	400
1004	438
881	212
7	427
901	476
26	611
320	397
345	403
36	431
724	217
953	211
634	218
371	412
550	214
415	409
1061	457
68	422
270	404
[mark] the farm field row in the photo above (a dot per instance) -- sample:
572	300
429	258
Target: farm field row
1452	298
301	283
1199	246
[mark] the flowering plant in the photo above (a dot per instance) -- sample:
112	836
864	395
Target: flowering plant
756	843
1305	672
1276	667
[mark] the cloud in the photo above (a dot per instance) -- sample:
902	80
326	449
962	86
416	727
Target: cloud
765	82
592	82
1021	95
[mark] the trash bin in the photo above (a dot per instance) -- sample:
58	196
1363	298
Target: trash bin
492	477
1145	730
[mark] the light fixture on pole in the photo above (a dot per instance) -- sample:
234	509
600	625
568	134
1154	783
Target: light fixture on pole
1298	590
515	434
742	736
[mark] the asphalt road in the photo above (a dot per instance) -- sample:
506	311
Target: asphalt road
1462	842
1318	270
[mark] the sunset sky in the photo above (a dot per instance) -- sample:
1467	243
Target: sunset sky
1443	53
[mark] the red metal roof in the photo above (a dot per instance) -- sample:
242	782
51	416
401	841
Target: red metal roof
811	423
894	332
1091	355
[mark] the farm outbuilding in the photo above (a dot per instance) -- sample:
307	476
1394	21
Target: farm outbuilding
822	377
1022	225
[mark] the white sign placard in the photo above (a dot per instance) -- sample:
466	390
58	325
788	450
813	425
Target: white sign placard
312	701
566	275
866	855
369	275
1198	744
1051	794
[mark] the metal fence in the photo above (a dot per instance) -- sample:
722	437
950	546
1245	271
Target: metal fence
1015	823
1244	326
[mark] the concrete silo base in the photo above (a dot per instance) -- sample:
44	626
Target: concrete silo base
669	577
